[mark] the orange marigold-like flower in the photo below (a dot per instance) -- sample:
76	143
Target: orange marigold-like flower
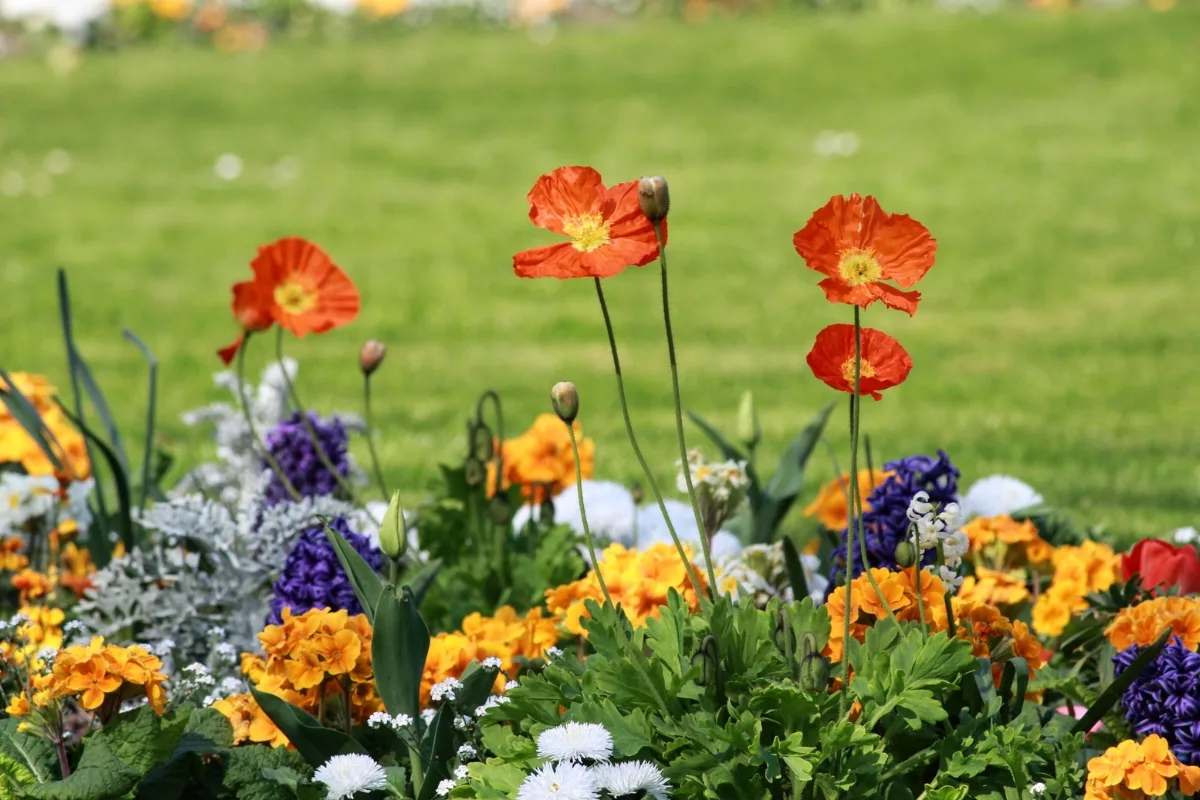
858	246
830	505
32	584
541	459
1133	771
992	587
1144	623
900	589
607	228
884	363
250	723
1054	608
1078	572
1007	541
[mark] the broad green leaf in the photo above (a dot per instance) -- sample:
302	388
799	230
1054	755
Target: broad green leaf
27	758
437	746
124	517
313	741
212	725
399	645
785	485
246	767
366	584
151	411
795	570
99	775
1014	684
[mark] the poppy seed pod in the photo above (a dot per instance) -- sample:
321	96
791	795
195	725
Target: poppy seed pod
654	198
565	399
371	356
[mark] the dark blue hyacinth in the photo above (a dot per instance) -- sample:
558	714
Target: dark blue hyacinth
886	524
292	447
1165	698
312	577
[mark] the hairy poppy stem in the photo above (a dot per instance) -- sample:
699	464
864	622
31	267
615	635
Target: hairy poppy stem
587	531
637	450
687	471
258	443
387	496
855	410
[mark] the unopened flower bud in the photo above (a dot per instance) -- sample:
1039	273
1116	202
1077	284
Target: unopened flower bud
565	399
654	198
814	673
904	554
500	510
393	540
371	356
748	428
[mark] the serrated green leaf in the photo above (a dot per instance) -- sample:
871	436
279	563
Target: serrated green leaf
632	731
245	767
212	725
100	775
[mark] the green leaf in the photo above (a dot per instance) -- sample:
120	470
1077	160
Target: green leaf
1109	697
1015	671
436	744
246	768
26	415
124	518
785	485
366	584
795	570
399	646
151	410
422	580
100	775
284	776
632	731
313	741
212	725
733	453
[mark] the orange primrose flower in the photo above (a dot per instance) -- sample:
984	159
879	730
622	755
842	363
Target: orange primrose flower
858	246
884	363
607	228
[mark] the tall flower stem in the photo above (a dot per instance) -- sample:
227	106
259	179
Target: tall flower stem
917	574
856	516
683	455
245	403
637	450
367	418
587	531
312	432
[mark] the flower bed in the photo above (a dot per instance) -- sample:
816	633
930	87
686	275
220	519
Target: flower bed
263	629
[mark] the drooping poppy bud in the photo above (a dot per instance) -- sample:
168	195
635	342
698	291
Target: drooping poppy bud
565	400
371	356
654	198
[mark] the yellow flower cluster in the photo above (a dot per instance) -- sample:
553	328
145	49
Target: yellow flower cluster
18	447
830	505
1078	571
1133	771
506	636
991	587
996	637
1005	543
42	628
639	582
99	676
309	658
540	460
1144	623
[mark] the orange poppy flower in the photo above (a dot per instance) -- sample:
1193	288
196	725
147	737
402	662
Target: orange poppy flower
251	313
607	228
859	246
884	363
299	287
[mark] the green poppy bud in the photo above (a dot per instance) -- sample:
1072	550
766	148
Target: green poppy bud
393	539
500	510
814	673
904	554
808	645
474	472
749	430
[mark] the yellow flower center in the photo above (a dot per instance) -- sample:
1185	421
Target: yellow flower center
859	266
294	298
865	371
589	231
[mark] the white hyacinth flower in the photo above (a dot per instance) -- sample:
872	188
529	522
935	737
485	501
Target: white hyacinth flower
919	506
575	741
998	494
565	781
347	775
632	778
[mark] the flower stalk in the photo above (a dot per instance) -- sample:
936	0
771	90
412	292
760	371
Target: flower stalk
370	433
258	444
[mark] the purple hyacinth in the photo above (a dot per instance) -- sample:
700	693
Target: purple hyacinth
886	524
312	577
1165	698
292	447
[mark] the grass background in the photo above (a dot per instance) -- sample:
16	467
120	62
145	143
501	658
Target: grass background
1053	156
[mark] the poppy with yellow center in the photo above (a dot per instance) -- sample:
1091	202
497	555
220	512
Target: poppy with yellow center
883	362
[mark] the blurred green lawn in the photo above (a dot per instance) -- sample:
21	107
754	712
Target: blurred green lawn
1054	157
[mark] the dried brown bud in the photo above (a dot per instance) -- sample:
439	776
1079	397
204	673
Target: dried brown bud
565	399
654	197
371	356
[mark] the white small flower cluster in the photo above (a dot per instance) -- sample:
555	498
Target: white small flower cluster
567	776
492	701
463	723
553	652
720	487
940	531
444	690
467	752
491	662
347	775
1038	789
381	719
760	571
227	687
445	787
428	714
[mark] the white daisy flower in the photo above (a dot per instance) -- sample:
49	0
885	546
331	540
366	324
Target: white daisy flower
347	775
564	781
575	741
636	778
996	495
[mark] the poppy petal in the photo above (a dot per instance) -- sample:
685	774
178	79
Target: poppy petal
565	193
228	352
885	362
550	261
905	247
304	290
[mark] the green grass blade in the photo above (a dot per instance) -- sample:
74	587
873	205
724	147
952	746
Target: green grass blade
151	411
27	417
795	569
124	517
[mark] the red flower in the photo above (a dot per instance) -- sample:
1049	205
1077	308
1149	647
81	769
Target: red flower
884	363
252	315
858	246
1162	564
607	228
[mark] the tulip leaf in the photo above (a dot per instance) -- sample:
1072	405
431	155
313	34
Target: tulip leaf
733	453
366	583
784	486
795	569
124	519
1014	683
399	646
312	740
1109	697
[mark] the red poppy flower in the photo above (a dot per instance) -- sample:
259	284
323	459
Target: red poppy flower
607	228
252	315
301	288
884	363
859	246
